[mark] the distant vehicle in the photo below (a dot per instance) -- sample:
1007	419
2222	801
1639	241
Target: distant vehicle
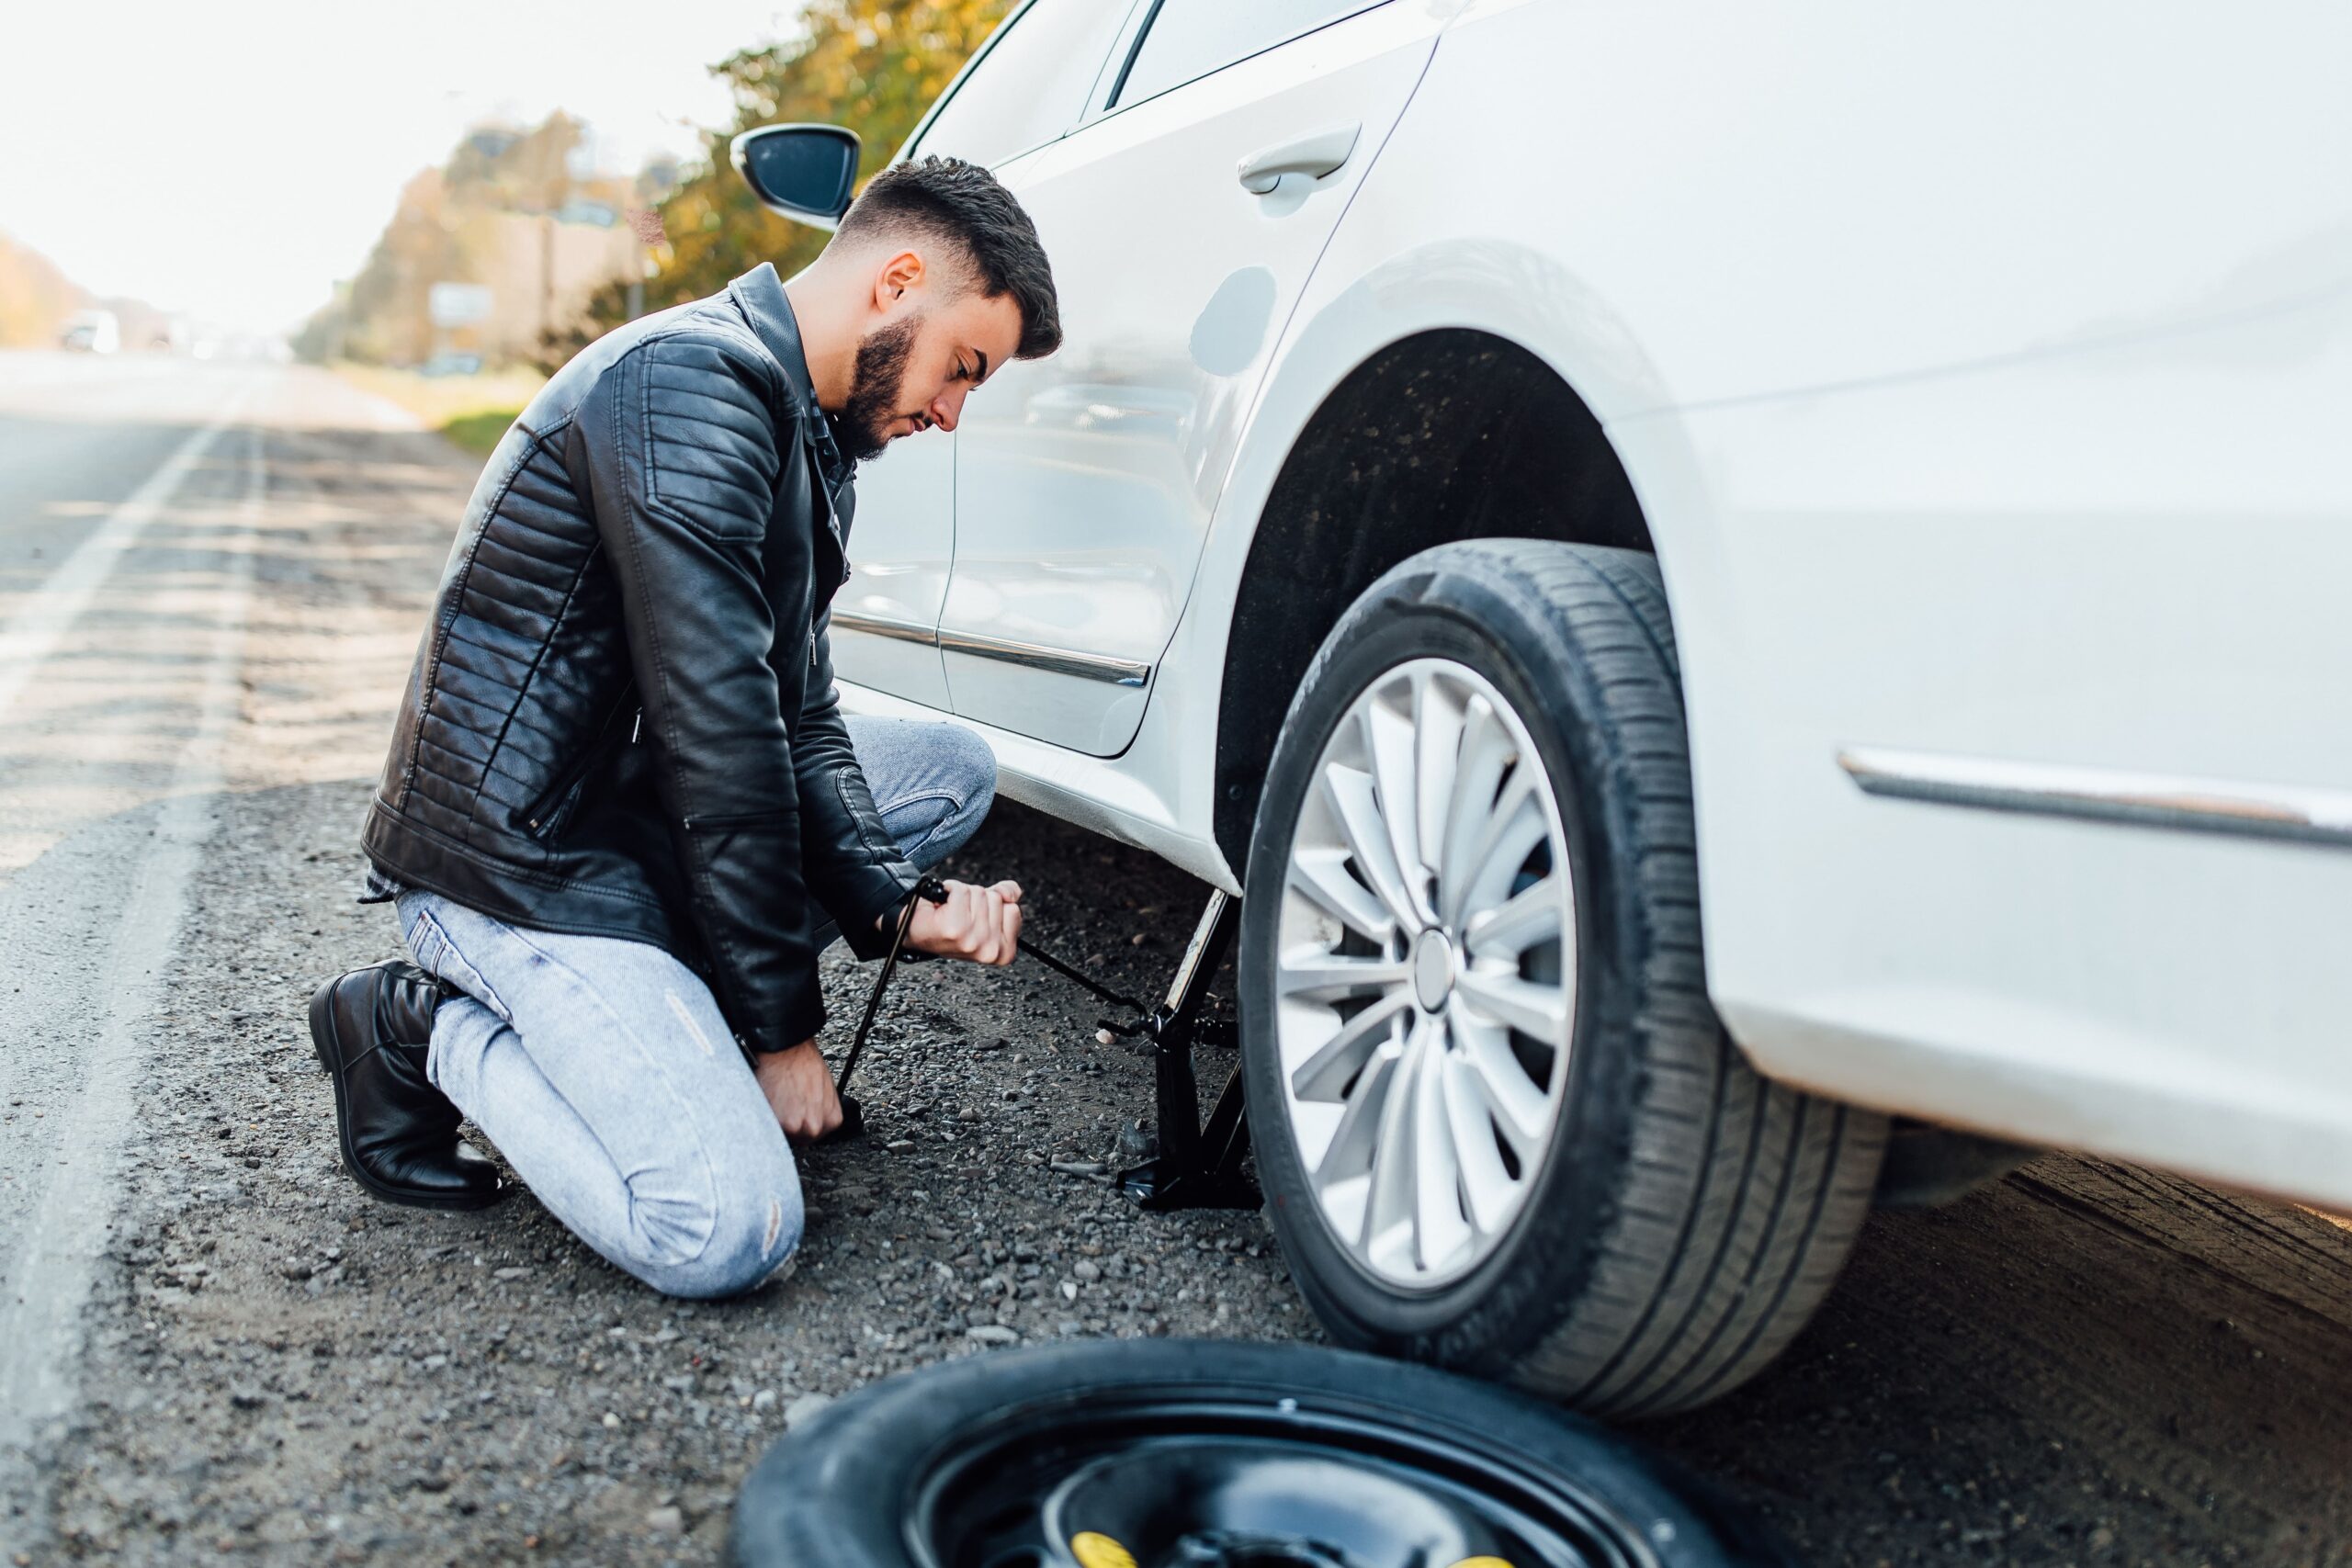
1724	572
92	331
453	364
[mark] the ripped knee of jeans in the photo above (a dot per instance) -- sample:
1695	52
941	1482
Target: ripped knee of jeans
755	1241
685	1014
780	1245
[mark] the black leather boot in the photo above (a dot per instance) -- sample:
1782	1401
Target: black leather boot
399	1133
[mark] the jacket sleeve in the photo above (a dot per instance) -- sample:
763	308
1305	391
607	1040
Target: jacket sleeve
852	862
683	464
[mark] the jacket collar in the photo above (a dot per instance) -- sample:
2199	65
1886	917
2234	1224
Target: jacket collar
760	295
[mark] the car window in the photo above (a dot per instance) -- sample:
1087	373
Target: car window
1190	38
1031	82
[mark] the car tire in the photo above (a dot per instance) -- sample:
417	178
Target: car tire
1164	1451
1683	1216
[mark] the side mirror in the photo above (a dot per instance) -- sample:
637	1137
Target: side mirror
806	172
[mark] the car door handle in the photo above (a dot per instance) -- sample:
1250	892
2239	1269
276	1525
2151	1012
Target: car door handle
1314	155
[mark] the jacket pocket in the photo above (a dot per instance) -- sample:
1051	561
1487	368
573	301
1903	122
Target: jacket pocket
722	836
553	808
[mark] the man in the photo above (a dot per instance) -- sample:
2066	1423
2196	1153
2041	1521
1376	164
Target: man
622	810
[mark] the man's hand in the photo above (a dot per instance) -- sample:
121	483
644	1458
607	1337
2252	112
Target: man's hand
981	924
800	1087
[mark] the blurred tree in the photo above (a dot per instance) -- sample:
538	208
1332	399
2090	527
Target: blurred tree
517	171
35	298
385	318
506	211
872	65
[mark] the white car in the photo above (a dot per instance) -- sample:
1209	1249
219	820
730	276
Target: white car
1728	576
92	331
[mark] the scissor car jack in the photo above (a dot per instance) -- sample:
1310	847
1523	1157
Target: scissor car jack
1197	1166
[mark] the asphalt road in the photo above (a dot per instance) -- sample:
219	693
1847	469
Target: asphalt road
212	580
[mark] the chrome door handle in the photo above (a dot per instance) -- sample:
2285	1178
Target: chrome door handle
1314	155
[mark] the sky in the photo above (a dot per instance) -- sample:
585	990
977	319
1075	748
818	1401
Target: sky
233	159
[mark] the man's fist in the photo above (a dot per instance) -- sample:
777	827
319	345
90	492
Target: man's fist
982	924
800	1091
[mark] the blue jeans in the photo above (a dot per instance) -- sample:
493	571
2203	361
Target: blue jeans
604	1073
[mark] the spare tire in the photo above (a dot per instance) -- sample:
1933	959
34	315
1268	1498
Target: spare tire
1207	1454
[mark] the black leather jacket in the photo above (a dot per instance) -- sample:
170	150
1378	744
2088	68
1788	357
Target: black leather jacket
622	720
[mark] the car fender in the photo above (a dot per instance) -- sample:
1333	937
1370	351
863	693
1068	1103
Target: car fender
1350	312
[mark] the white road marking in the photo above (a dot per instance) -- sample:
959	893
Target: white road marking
48	1282
49	611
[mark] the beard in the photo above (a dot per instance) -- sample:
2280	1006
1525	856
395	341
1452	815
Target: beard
862	428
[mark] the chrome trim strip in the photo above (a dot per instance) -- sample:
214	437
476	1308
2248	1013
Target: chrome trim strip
1056	660
2291	813
884	626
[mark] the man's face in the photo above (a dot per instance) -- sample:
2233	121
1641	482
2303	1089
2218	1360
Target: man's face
916	363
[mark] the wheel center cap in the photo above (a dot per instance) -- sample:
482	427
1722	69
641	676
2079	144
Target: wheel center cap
1432	969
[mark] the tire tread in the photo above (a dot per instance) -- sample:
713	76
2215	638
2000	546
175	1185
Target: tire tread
1734	1198
1779	1181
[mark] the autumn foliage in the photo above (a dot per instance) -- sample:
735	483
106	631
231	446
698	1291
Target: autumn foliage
35	298
872	65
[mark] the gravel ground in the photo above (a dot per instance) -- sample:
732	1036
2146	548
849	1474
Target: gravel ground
286	1367
2085	1364
280	1365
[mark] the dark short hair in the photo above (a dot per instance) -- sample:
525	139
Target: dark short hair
963	205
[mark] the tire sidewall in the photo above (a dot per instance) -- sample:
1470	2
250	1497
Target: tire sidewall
1440	605
844	1491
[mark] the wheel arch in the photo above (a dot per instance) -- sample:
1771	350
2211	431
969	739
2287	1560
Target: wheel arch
1445	433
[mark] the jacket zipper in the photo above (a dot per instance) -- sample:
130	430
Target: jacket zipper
735	819
550	804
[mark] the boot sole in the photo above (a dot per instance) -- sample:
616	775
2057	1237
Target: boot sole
327	1045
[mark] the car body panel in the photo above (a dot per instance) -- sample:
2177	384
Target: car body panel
1085	482
2107	594
1982	375
886	616
1908	189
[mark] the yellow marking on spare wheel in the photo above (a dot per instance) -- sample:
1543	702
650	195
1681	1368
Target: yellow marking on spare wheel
1482	1563
1094	1551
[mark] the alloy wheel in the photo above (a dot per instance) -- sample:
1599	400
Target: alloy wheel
1425	981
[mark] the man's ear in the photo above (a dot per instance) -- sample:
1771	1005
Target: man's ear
894	277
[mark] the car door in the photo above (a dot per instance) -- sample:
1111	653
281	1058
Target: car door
1085	482
1026	86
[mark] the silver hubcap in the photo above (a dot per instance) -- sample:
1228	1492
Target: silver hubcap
1432	970
1426	981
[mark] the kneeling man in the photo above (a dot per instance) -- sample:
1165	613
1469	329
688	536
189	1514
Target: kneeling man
623	811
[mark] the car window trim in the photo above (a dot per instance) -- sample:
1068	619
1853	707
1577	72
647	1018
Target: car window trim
1134	48
1114	69
1110	104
